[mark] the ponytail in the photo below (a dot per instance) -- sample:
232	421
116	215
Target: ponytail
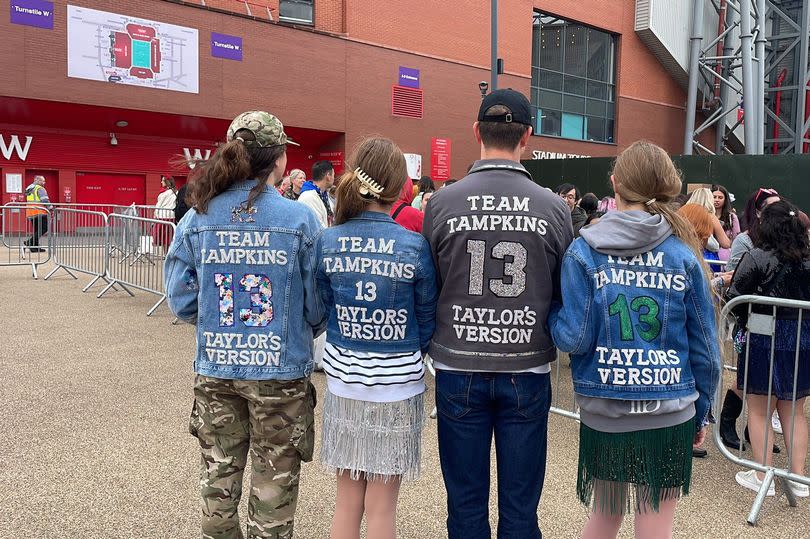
232	163
644	174
380	161
229	164
350	203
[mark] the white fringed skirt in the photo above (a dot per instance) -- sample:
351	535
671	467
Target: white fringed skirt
375	441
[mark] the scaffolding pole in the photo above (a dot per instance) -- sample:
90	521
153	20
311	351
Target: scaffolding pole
725	89
695	45
749	94
803	77
762	17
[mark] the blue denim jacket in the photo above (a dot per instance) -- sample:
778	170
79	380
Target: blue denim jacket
247	278
638	328
378	283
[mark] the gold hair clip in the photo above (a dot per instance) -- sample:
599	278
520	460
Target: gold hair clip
650	202
368	187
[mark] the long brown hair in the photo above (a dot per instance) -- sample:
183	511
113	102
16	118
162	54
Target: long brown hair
644	174
383	161
232	162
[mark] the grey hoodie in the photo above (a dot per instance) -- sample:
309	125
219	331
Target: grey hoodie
627	234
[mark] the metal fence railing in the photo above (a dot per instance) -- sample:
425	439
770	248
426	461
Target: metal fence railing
123	246
136	249
79	243
23	233
771	373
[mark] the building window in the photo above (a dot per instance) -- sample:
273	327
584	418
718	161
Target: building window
297	11
573	80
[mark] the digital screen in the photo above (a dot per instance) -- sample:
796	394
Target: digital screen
141	53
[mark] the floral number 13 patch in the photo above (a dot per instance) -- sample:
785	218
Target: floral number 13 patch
261	292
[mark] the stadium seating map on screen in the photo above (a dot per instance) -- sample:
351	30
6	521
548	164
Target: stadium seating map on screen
128	50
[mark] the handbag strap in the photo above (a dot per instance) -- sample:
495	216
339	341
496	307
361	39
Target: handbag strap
396	211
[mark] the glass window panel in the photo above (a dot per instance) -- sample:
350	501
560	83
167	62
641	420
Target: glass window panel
300	10
535	96
572	103
599	55
550	48
596	108
550	100
596	129
576	49
551	80
572	125
574	85
550	122
573	71
597	90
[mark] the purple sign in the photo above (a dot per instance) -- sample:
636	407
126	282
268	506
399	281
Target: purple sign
225	46
408	77
38	13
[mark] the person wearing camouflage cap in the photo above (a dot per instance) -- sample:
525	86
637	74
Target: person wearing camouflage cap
267	130
241	267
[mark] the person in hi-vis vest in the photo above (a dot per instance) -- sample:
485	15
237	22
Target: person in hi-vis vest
37	201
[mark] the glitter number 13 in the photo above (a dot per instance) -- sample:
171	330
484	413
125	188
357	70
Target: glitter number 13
515	270
261	307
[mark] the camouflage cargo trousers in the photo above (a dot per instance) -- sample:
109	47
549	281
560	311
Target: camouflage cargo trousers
272	418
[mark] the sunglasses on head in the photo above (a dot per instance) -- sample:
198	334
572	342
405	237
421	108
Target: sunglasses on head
764	194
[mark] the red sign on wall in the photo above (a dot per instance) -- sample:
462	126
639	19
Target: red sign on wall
336	158
440	159
100	188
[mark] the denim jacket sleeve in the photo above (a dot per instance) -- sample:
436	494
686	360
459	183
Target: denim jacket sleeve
180	278
570	322
427	295
315	312
704	343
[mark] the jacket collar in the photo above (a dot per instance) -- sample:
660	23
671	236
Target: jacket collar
374	216
498	164
247	185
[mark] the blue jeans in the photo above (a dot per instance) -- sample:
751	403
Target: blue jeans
471	407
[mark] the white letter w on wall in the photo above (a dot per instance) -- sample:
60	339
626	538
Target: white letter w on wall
196	158
14	146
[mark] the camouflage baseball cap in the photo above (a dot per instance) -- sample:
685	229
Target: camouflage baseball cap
267	129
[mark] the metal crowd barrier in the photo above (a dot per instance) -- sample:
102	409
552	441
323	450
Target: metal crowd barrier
79	243
766	324
136	249
22	236
557	407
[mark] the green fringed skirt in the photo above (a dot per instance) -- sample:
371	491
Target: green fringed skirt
634	470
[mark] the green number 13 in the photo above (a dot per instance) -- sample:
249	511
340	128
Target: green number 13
649	326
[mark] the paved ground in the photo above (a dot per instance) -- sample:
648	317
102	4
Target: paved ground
94	405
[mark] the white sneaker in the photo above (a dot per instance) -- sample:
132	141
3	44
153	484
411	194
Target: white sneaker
750	481
776	424
799	490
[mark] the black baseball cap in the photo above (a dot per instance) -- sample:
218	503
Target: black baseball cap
520	111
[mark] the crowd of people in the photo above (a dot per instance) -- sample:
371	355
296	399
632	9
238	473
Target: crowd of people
366	275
